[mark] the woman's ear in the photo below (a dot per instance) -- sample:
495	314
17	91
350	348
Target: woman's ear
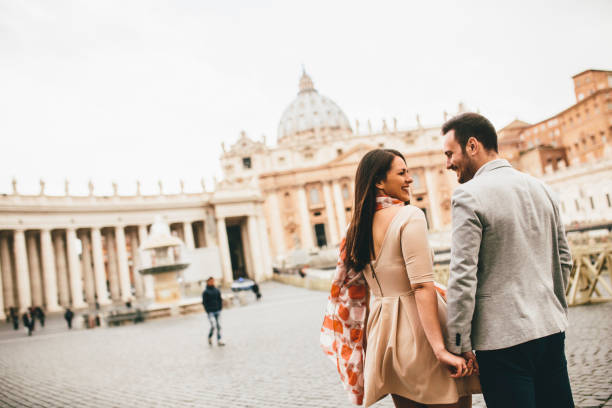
380	185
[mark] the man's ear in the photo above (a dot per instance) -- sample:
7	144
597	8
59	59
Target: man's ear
472	145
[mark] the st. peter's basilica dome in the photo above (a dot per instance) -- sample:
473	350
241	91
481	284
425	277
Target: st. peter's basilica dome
311	113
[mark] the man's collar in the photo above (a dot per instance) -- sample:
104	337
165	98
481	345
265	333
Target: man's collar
492	165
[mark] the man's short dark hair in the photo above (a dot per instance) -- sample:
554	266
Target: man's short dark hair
471	124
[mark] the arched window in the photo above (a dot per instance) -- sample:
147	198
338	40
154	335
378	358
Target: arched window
345	192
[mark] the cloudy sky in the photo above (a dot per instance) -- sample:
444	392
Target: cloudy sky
120	90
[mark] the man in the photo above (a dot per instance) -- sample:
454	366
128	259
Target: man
510	264
69	315
211	299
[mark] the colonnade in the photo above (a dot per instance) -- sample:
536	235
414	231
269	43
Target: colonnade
77	267
335	211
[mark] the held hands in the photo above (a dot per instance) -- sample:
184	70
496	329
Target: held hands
457	365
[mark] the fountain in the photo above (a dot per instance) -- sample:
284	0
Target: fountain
162	261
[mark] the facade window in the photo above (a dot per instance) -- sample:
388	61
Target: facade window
308	155
338	152
592	203
246	162
416	181
314	196
345	192
281	159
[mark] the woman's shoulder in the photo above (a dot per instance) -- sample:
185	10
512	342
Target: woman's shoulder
410	211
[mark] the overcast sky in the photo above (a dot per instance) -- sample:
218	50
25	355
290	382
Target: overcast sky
148	89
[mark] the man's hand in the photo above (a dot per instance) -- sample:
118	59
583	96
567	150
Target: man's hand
471	362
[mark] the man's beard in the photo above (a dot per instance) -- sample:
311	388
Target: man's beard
469	169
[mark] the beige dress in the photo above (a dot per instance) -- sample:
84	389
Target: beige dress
399	359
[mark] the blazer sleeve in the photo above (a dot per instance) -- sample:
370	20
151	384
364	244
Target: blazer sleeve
415	249
462	282
565	259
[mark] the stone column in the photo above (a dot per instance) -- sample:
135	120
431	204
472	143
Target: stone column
34	266
49	272
88	278
22	275
148	282
305	226
7	273
224	252
339	201
331	216
124	268
98	266
434	203
113	279
136	263
249	259
255	241
188	235
2	315
275	224
74	270
62	277
265	247
209	231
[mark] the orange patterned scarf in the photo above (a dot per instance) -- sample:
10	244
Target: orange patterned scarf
344	322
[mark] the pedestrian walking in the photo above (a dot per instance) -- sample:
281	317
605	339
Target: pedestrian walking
211	299
68	316
40	315
14	317
256	291
27	323
510	264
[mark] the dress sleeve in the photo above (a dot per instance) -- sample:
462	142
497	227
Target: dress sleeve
415	249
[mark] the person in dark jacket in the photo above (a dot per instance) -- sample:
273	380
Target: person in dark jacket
211	299
40	315
14	317
68	316
27	322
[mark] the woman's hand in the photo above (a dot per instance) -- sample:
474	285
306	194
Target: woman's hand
458	366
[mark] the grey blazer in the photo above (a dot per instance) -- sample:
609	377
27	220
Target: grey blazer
510	261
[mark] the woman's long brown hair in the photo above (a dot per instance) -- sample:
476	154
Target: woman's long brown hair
372	168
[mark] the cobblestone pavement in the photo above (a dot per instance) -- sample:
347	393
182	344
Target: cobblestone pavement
272	359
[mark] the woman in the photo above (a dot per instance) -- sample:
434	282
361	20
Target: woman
386	249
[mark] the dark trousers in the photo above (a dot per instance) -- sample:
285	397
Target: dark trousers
528	375
213	318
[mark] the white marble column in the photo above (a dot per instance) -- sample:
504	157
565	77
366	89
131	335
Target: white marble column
331	215
34	267
7	273
434	203
249	259
275	223
113	278
22	275
210	228
48	271
62	273
255	241
148	281
340	212
224	252
188	235
98	267
88	276
74	270
265	247
136	263
2	315
124	268
305	225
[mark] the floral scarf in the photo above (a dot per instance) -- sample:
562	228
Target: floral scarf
343	330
